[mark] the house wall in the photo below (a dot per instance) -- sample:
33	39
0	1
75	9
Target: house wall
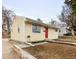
26	29
15	35
52	34
34	36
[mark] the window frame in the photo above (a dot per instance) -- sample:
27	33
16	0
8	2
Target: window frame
36	29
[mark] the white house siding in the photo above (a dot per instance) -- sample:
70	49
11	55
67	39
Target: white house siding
15	35
26	29
34	36
52	34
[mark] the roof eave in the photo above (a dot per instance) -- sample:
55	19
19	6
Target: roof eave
28	20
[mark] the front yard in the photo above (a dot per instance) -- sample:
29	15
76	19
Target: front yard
52	51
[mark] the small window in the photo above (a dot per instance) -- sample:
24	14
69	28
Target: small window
36	29
56	30
59	30
18	30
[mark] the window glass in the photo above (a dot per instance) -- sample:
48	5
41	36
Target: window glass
36	29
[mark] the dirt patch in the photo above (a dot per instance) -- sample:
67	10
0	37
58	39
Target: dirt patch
52	51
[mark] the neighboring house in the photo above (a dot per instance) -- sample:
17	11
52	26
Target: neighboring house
63	30
25	29
62	27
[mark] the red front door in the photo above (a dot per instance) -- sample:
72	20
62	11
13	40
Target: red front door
46	32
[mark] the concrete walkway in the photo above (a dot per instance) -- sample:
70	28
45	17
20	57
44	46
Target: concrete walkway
7	52
62	42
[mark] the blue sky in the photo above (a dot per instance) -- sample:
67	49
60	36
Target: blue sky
43	9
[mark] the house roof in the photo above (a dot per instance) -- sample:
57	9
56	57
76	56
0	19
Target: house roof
29	20
39	23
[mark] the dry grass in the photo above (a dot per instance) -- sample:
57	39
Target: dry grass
53	51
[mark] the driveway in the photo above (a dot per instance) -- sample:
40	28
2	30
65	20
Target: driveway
7	52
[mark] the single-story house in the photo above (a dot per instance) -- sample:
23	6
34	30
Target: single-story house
25	29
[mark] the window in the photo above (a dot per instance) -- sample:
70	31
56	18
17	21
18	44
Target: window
59	30
56	30
18	29
36	29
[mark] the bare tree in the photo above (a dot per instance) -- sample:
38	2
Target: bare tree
68	15
52	22
39	20
7	18
72	17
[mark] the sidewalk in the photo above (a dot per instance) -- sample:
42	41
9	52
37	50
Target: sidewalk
7	52
62	42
